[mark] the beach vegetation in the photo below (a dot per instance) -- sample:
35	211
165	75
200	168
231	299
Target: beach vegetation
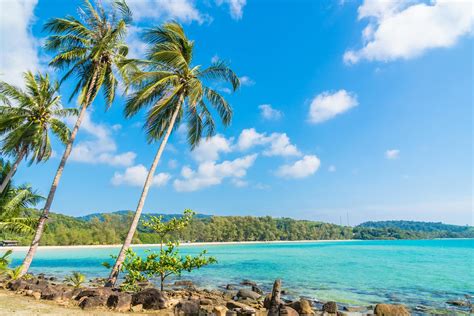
76	279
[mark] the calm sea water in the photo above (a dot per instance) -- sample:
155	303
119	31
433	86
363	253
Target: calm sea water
414	272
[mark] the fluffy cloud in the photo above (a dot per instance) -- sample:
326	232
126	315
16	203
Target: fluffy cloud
210	173
246	81
395	26
209	149
269	113
392	154
278	144
19	47
101	148
236	7
182	10
136	176
303	168
327	105
332	168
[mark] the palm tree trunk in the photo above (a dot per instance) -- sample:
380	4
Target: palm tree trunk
12	170
149	179
49	201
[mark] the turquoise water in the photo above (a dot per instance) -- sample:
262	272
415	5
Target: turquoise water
414	272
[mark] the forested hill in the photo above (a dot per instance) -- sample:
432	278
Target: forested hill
111	228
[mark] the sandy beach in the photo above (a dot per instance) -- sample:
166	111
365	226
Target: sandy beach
185	244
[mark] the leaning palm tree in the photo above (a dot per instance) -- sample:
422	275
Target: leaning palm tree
28	120
89	48
172	88
14	201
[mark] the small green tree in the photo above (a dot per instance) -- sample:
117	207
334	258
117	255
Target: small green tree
168	261
76	279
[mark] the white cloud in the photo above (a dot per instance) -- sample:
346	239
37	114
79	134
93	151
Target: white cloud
209	149
137	47
239	183
236	7
182	10
303	168
269	113
407	29
332	168
101	148
278	143
215	59
136	176
392	154
246	81
172	163
210	173
19	47
327	105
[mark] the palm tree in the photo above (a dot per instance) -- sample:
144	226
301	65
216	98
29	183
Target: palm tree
14	201
90	49
172	88
26	125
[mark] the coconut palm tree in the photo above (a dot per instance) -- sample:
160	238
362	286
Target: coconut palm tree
13	202
89	48
29	118
172	88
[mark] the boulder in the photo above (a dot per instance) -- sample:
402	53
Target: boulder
70	294
267	301
330	307
36	295
275	301
186	283
303	307
120	301
137	308
104	292
287	310
205	301
244	293
230	287
391	310
18	285
187	308
248	282
219	310
256	289
237	305
150	299
51	293
91	302
459	303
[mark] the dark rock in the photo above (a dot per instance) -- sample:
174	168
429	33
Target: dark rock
51	293
459	303
103	292
70	294
391	310
275	300
150	299
120	301
230	287
90	302
267	301
248	282
188	308
18	285
330	307
244	293
256	289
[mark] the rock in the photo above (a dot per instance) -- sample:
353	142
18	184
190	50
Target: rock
355	308
51	293
231	313
275	300
188	308
256	289
303	307
18	285
184	283
70	294
150	299
137	308
29	292
120	301
230	287
391	310
248	282
244	293
287	310
36	295
205	301
90	302
104	292
220	310
459	303
330	307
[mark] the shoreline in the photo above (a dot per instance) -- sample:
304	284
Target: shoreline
187	244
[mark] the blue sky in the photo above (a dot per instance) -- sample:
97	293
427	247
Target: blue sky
349	111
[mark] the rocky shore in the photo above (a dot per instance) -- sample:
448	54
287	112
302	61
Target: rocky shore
183	298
